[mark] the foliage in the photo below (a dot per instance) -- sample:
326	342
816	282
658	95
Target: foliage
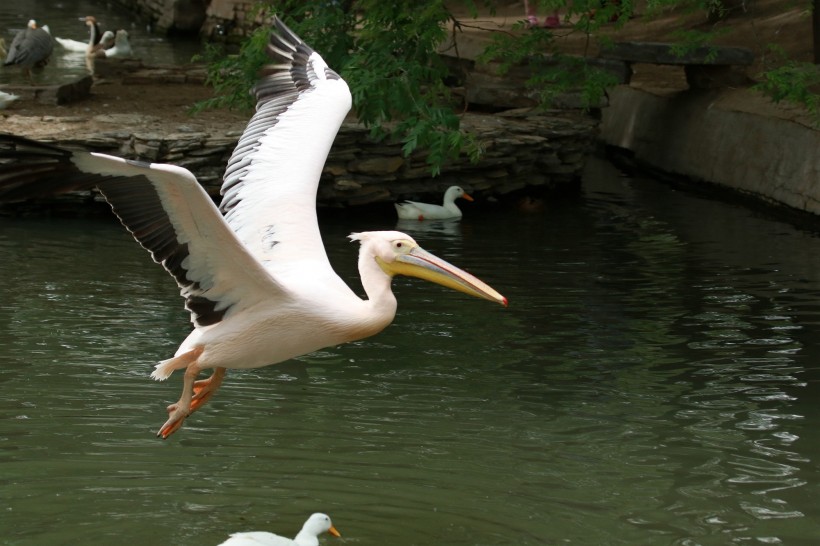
395	76
386	51
795	82
386	56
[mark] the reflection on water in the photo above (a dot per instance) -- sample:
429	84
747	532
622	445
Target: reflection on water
652	382
62	19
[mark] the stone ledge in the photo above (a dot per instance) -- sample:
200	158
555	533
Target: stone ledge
737	140
523	150
59	94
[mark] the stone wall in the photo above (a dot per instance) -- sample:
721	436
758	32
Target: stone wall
205	17
735	138
535	152
524	153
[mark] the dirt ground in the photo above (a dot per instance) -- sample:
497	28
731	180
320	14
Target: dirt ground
762	22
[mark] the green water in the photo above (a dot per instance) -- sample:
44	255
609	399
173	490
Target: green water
654	381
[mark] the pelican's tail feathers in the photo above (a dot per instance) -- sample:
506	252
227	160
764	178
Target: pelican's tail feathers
165	368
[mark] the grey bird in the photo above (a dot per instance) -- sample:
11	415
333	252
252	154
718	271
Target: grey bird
31	47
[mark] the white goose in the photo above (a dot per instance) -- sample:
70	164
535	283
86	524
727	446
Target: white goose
253	272
94	36
412	210
308	536
122	47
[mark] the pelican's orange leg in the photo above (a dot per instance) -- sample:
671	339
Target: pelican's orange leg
179	411
194	395
204	389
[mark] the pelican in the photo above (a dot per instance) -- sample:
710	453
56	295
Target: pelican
253	272
411	210
308	536
94	36
6	99
31	47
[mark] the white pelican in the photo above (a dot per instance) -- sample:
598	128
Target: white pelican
6	99
308	536
253	272
411	210
30	47
94	36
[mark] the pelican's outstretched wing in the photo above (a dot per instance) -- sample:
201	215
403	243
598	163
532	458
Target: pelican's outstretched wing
269	188
164	208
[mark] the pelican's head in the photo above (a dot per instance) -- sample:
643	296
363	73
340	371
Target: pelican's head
32	24
456	192
318	524
398	254
89	20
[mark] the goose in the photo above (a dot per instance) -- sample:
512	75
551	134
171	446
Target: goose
94	36
30	47
253	271
411	210
122	47
308	536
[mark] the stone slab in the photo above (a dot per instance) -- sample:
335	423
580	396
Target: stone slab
663	53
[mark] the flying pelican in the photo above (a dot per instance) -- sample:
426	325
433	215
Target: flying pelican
94	36
253	272
411	210
308	536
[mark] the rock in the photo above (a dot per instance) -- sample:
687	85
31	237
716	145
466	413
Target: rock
377	165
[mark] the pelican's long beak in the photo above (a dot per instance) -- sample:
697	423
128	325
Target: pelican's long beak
420	263
334	532
467	196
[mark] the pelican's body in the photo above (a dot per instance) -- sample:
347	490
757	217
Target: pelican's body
412	210
94	36
30	47
6	99
316	525
253	272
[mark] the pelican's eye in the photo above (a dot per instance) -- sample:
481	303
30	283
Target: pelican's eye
401	247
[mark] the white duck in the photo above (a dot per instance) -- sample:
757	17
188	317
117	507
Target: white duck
308	536
411	210
6	99
75	46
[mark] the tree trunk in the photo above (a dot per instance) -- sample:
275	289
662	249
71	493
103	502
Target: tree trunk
815	29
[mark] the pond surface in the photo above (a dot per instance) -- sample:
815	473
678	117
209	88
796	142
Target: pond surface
62	19
654	381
